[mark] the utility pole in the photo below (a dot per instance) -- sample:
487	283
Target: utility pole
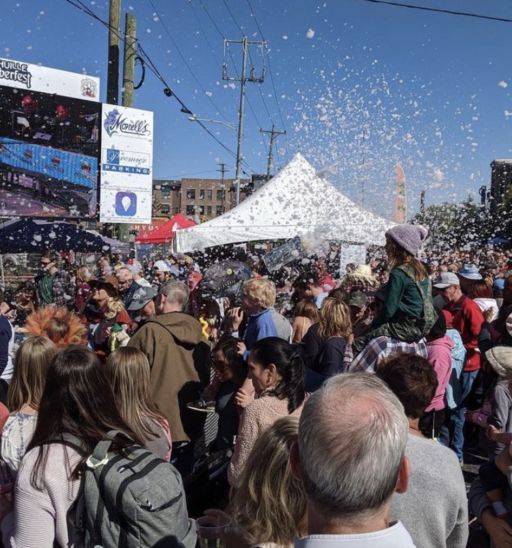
243	80
222	173
222	170
113	52
273	134
130	53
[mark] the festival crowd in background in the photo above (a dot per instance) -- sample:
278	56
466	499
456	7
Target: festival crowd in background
298	407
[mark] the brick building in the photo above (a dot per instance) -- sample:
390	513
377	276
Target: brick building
200	198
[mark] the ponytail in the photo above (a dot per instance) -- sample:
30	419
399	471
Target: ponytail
289	366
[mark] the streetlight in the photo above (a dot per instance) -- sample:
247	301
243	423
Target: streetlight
195	118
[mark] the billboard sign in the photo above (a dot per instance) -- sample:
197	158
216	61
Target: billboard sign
126	165
28	77
49	146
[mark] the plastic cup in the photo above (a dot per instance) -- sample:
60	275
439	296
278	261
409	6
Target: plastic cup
211	529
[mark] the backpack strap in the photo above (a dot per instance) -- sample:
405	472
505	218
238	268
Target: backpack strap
99	456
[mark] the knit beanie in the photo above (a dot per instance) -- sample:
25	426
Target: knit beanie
410	237
500	358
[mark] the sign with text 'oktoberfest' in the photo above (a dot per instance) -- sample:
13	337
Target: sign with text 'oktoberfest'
126	165
29	77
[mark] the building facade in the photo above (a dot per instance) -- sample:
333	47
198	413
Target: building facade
199	199
501	183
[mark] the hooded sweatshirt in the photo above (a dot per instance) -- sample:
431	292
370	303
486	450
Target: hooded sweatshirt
439	354
178	356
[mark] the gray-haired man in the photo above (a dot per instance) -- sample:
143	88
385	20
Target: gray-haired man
351	458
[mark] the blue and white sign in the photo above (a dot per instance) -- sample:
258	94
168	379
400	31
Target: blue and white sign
126	165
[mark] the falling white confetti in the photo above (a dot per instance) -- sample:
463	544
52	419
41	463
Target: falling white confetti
310	34
503	84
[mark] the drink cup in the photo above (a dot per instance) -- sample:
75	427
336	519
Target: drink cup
211	529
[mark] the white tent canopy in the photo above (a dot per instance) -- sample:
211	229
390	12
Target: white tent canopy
296	202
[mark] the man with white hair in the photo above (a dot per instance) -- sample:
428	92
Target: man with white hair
351	458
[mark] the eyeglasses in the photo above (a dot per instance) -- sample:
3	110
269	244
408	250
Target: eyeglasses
45	263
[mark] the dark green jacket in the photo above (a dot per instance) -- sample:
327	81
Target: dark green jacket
403	298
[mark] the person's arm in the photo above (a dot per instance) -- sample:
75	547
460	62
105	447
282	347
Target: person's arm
310	346
144	340
498	529
248	432
458	536
395	292
34	520
474	321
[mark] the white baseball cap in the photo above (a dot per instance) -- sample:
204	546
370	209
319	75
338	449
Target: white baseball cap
161	266
446	280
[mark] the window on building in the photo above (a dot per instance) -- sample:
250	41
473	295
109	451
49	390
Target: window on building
190	211
209	210
191	193
219	210
165	209
201	193
200	210
166	192
220	195
209	195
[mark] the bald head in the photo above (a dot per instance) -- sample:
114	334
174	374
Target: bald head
352	439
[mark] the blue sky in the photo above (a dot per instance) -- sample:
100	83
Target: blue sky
359	86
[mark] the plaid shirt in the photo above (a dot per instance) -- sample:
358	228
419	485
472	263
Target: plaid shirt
381	348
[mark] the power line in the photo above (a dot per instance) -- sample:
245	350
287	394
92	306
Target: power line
219	31
78	4
265	51
199	83
440	10
233	17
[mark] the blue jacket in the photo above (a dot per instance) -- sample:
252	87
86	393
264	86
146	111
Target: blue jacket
268	323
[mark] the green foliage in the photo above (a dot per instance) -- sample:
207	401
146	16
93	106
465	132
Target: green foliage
457	225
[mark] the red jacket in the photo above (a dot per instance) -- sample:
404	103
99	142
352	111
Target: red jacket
468	320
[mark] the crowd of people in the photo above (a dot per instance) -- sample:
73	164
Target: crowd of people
326	408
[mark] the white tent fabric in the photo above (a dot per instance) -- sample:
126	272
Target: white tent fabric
296	202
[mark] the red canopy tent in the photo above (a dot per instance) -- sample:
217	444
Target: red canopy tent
164	233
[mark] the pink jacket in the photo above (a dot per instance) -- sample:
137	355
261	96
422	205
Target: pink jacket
440	357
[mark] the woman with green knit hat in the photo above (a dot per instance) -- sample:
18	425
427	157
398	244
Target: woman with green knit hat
408	313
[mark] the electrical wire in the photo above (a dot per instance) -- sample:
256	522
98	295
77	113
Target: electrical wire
265	51
439	10
233	17
198	82
78	4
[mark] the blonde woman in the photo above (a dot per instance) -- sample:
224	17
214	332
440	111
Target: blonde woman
130	373
268	508
23	398
326	342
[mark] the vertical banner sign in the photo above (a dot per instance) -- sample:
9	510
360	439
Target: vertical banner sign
126	165
351	254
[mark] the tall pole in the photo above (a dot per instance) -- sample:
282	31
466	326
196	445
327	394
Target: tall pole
238	172
113	52
243	80
273	134
130	53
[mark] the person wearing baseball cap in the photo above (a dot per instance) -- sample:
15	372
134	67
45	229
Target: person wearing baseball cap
142	305
468	320
408	313
357	302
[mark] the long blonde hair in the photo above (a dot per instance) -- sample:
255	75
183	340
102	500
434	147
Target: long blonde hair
269	502
29	376
130	373
334	318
